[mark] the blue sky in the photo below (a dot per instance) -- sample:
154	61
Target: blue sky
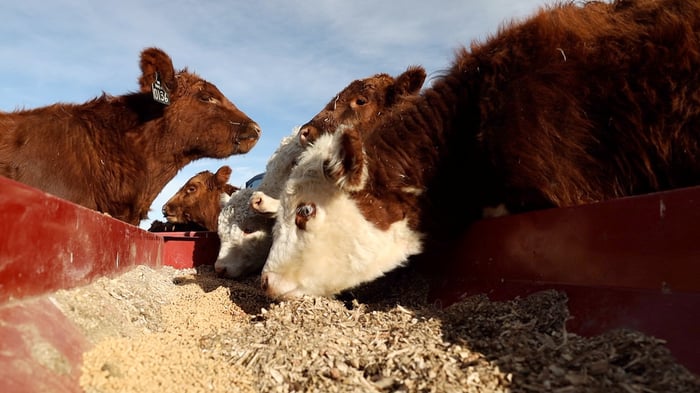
278	61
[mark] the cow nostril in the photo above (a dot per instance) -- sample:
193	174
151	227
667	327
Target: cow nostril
256	129
219	270
304	134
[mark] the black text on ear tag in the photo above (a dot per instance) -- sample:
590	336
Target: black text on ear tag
159	93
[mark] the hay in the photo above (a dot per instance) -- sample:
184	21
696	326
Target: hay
188	331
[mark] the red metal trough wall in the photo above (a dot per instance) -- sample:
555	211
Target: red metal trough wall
629	263
52	244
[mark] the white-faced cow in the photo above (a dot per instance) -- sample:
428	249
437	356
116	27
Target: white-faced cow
114	154
200	199
576	104
245	233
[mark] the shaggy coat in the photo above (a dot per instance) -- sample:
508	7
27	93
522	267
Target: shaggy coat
114	154
576	104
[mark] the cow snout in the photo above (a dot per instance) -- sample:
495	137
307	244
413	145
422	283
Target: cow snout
220	270
307	134
255	130
247	137
277	287
265	282
166	211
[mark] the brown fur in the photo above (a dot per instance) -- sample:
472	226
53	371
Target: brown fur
114	154
574	105
363	100
198	201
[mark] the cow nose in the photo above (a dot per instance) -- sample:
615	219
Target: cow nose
220	270
264	282
164	210
255	129
307	134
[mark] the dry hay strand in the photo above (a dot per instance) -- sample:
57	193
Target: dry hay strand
191	331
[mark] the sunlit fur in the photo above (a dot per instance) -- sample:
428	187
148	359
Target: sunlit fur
328	255
577	104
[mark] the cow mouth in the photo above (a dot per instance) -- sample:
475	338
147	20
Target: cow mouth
247	138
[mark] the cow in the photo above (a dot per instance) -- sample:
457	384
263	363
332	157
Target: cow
244	228
200	199
160	226
575	104
244	233
114	154
363	99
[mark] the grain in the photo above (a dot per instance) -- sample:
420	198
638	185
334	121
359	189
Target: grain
190	331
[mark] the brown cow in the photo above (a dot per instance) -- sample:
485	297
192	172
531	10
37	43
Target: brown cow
114	154
199	200
573	105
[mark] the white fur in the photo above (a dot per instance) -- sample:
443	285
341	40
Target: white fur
246	235
339	248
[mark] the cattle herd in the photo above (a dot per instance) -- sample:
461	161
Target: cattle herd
578	103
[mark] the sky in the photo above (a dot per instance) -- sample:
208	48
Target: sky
280	62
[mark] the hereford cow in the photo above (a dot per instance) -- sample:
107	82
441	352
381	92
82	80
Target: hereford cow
199	200
115	154
576	104
245	233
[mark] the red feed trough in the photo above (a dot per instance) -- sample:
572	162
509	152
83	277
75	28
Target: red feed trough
627	263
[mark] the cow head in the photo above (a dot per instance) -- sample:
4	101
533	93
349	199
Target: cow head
324	241
199	200
363	100
195	110
245	237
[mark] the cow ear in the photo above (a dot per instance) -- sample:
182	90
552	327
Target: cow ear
230	189
223	174
411	81
346	166
156	64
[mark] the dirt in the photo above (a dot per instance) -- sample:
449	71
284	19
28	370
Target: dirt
190	331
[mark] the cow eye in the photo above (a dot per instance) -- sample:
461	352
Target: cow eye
307	210
191	189
304	212
360	101
204	97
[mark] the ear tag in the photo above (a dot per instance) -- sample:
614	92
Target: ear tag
160	94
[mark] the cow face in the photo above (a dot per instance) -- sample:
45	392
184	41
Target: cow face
198	201
323	242
245	237
363	101
195	110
